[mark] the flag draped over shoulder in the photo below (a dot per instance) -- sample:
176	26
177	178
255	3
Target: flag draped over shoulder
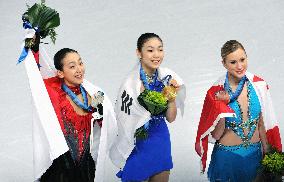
102	137
213	110
48	139
131	115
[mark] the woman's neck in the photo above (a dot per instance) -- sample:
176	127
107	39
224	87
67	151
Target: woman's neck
148	71
233	81
70	85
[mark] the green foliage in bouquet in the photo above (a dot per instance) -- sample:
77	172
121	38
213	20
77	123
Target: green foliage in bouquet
272	166
273	162
141	133
152	101
43	17
155	103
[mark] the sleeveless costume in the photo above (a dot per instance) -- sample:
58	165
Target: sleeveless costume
77	164
138	159
145	159
239	162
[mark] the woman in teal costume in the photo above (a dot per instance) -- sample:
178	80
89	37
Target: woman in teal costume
241	140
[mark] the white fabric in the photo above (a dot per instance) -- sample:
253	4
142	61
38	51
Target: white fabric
103	138
127	124
267	109
29	33
46	69
48	139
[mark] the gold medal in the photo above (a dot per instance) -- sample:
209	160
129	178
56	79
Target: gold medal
169	92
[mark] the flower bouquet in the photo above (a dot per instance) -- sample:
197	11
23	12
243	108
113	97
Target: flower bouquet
154	102
272	167
42	20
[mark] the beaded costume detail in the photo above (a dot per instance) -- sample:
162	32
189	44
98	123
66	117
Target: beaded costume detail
237	124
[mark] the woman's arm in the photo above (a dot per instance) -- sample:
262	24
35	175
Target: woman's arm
171	111
172	108
218	132
262	134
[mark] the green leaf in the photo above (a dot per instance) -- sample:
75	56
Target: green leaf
141	133
52	34
54	22
45	18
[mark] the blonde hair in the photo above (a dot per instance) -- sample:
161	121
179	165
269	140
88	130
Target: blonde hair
229	47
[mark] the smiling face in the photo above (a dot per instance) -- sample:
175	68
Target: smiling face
73	69
151	55
236	64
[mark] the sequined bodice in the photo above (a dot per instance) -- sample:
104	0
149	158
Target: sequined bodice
76	128
237	124
156	85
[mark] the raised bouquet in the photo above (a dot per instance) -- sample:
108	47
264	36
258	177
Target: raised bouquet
272	166
39	21
43	20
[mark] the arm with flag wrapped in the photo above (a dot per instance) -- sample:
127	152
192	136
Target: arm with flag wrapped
39	21
213	110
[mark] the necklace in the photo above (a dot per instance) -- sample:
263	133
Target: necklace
147	79
234	95
75	99
249	124
150	79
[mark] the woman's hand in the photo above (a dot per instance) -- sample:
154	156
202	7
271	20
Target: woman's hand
170	91
222	96
174	84
142	88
